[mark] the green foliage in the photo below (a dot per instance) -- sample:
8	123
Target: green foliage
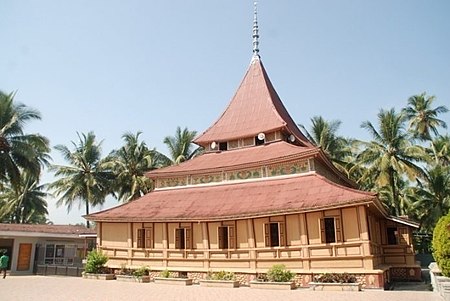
441	244
142	271
278	273
180	146
96	261
221	275
165	274
335	278
86	179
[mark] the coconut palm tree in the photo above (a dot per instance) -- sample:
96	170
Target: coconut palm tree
180	146
323	134
390	155
439	150
86	179
432	196
25	203
19	151
129	165
423	119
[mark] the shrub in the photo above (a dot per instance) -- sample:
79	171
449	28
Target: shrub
142	271
335	278
95	262
124	270
441	245
278	273
164	274
222	275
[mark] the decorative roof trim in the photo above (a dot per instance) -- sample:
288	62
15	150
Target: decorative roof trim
404	222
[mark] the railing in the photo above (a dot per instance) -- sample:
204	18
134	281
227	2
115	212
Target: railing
342	250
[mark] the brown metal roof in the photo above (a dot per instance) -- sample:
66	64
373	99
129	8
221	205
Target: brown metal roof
49	229
232	159
255	108
237	200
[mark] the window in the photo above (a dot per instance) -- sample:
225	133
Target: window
331	230
392	235
60	254
223	237
145	238
223	146
330	234
182	238
274	234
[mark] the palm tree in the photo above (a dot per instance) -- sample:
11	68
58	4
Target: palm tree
25	203
19	151
180	146
129	165
390	155
323	134
432	196
85	179
423	119
439	150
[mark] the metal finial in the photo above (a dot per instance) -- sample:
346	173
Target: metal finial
255	31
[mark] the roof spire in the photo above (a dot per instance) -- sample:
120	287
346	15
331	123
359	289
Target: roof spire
255	32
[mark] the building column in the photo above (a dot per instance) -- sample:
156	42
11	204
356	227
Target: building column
205	238
251	243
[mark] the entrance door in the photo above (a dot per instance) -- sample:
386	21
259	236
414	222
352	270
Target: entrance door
24	258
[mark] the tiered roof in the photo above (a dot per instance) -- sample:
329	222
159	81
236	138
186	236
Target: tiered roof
255	108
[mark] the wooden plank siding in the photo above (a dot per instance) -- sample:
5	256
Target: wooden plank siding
301	247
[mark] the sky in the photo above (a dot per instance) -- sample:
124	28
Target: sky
125	66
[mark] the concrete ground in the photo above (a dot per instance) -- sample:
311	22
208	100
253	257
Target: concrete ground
72	288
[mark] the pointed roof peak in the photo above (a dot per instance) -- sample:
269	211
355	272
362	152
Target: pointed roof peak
255	108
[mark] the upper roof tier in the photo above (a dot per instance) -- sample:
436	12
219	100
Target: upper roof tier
255	108
233	159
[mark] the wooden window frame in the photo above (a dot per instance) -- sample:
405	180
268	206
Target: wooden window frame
145	238
182	242
230	239
268	240
337	230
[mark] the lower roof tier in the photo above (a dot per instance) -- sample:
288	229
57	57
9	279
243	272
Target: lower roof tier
266	197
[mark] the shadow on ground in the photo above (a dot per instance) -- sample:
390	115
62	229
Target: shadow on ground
425	285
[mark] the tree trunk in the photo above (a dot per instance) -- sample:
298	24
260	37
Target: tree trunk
394	192
87	212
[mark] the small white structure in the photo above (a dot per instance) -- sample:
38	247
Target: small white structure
45	248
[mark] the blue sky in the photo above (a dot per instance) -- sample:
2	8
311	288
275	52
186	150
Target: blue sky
118	66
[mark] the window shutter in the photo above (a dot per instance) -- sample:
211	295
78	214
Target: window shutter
187	238
231	238
402	235
322	230
140	238
149	238
221	238
267	234
177	239
337	227
282	234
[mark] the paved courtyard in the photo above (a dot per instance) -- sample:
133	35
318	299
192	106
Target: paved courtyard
68	288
